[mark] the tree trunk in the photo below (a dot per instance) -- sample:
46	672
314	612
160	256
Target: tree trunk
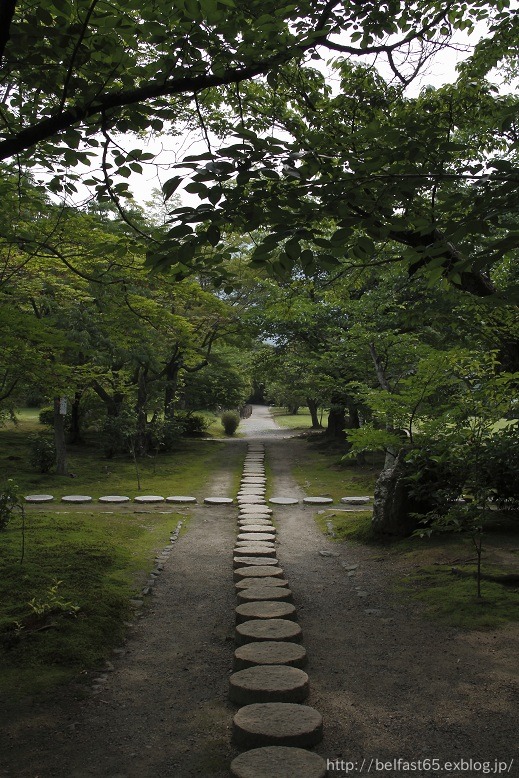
141	410
394	510
59	439
391	452
312	407
293	409
170	391
336	422
113	403
75	421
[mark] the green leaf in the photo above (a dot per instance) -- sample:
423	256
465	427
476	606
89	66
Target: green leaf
170	186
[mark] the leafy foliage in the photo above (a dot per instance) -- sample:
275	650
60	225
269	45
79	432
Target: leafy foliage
230	421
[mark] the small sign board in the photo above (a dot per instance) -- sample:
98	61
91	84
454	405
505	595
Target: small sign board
63	406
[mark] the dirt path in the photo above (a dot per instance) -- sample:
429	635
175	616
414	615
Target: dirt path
388	683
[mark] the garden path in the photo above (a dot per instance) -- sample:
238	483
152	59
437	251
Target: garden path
389	683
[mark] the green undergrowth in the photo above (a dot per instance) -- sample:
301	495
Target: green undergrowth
90	472
347	525
64	608
452	599
319	471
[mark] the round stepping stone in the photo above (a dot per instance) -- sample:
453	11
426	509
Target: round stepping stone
355	500
242	561
144	498
277	723
251	499
257	536
268	683
257	549
218	500
317	500
245	583
253	546
39	498
181	499
259	528
265	609
270	652
280	761
77	498
114	498
283	500
258	571
268	629
255	509
247	489
261	593
252	522
254	516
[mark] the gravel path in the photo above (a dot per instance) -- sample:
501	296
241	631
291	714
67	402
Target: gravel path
389	683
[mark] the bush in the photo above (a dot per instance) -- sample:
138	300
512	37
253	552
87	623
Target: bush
42	454
46	416
193	424
9	501
230	421
483	468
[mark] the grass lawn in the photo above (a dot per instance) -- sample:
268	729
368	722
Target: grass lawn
298	421
64	608
319	471
421	567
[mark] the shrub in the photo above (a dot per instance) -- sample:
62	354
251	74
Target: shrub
9	500
230	421
42	454
193	423
46	416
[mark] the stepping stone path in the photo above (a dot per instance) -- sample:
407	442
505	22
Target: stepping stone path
114	498
181	499
270	652
277	723
267	629
268	681
246	583
145	498
317	500
39	498
278	761
218	500
259	571
274	683
252	593
242	561
265	609
76	498
355	500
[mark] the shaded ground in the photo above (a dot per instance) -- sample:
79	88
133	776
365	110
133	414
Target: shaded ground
388	683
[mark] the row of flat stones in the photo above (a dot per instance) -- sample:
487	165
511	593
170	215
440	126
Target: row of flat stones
268	682
249	489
